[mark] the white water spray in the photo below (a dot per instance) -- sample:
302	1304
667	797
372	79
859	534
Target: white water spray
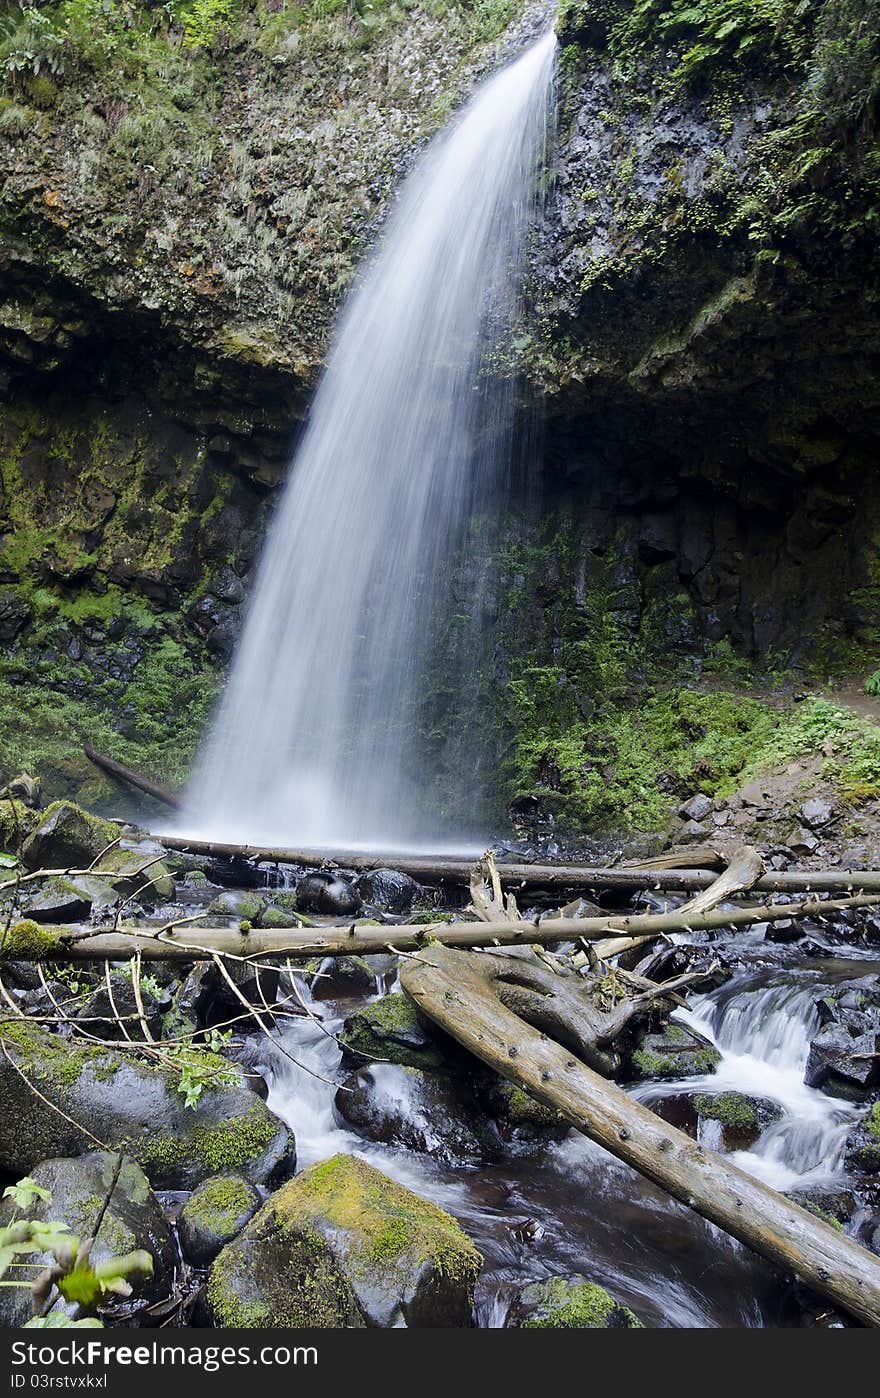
317	737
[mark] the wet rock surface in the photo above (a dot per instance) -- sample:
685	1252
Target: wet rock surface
214	1214
844	1054
133	1220
419	1111
134	1106
343	1245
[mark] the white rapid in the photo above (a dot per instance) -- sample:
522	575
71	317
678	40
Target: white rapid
763	1034
409	441
573	1207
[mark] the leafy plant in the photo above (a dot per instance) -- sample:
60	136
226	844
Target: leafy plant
34	45
77	1278
203	1067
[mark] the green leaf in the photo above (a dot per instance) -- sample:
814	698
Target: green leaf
25	1192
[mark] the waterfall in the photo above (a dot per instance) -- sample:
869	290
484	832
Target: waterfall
409	441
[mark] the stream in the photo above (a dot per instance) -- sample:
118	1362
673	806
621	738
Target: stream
572	1207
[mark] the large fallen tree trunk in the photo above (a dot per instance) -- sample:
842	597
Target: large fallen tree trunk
130	778
546	877
457	992
179	943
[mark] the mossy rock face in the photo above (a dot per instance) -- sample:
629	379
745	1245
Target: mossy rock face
391	1029
214	1214
67	837
344	1246
430	1113
139	875
732	1120
672	1052
16	822
518	1116
28	937
863	1144
130	1105
572	1303
134	1219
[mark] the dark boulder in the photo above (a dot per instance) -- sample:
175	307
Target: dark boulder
133	1220
135	1106
421	1111
67	837
863	1144
389	890
328	894
843	1058
214	1214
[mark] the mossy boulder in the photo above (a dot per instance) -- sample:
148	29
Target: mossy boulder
732	1120
132	1105
863	1144
214	1214
67	837
28	937
343	1246
138	874
134	1219
16	822
518	1117
427	1112
392	1029
571	1303
671	1052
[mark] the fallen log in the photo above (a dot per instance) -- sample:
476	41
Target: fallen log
455	991
129	778
189	943
744	868
433	871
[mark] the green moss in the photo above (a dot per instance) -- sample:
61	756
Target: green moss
28	938
562	1304
872	1122
730	1108
49	1060
225	1146
390	1029
825	1216
385	1222
16	823
218	1204
672	1053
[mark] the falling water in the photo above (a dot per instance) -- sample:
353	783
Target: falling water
409	440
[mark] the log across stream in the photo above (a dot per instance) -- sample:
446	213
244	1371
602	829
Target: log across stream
571	1207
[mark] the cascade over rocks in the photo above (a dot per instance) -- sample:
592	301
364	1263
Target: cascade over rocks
418	1110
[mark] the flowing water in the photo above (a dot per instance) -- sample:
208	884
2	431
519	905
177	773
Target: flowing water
408	443
571	1207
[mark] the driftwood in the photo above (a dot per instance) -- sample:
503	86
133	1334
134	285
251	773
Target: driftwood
459	993
549	878
129	778
744	869
188	943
